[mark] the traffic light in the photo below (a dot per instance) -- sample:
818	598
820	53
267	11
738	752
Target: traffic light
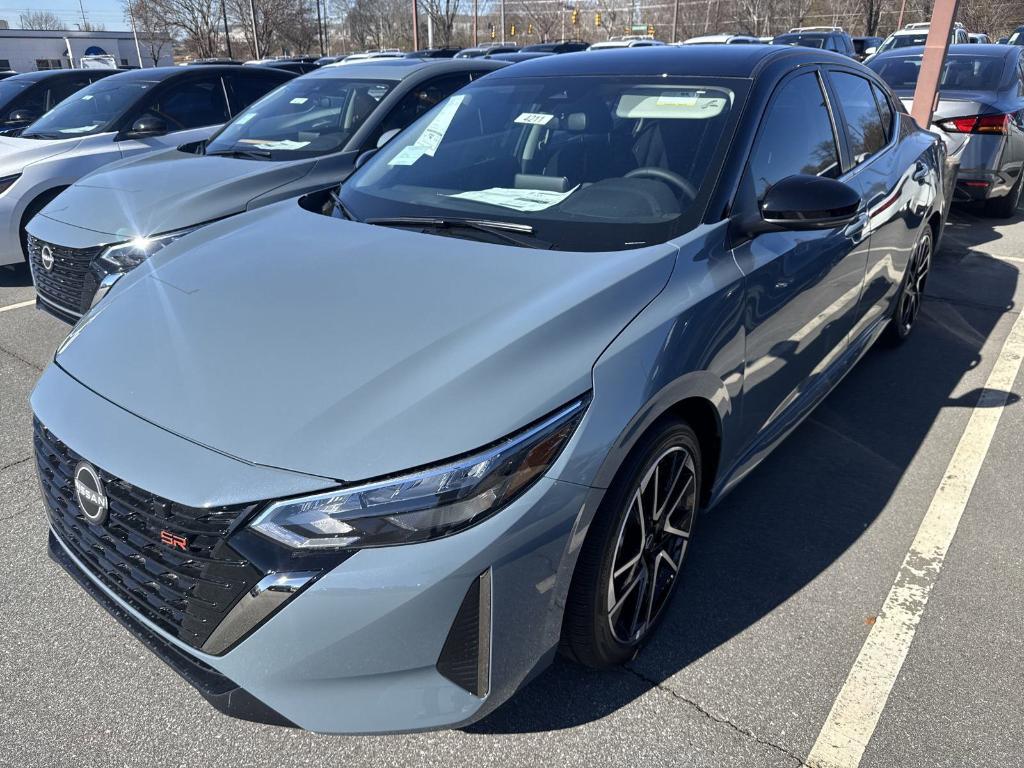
513	30
529	29
490	28
575	16
597	19
650	30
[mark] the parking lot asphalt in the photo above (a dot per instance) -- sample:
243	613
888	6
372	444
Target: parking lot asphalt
785	581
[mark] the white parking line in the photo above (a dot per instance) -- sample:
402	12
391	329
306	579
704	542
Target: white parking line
9	307
854	716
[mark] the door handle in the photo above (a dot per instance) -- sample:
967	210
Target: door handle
920	171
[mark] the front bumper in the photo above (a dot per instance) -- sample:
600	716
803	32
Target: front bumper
359	650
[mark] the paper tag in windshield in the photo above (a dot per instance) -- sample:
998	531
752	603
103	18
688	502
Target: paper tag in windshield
298	100
533	118
516	199
432	135
408	155
81	129
284	144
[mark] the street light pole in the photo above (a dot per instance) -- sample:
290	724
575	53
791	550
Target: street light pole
476	30
135	33
502	21
415	25
319	27
255	34
227	31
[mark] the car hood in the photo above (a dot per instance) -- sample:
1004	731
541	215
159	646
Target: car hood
294	340
164	191
16	154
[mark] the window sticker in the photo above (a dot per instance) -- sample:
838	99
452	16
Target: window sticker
285	144
516	199
534	118
408	155
673	103
433	134
87	97
80	129
298	100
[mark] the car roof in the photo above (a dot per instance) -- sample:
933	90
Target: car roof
399	69
696	60
159	74
49	74
974	49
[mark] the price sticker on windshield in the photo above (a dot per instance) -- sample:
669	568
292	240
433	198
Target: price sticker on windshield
534	118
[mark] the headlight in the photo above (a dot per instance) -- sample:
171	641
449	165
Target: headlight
8	181
126	256
424	505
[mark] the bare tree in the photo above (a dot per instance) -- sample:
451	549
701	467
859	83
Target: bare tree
151	25
41	20
443	14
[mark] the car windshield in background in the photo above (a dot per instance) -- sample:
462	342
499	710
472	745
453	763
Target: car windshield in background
962	72
9	90
807	41
590	164
92	110
903	41
304	118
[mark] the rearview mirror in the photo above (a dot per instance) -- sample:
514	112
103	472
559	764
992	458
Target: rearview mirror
145	126
387	136
802	202
23	116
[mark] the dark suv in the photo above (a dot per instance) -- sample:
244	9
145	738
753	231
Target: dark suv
828	38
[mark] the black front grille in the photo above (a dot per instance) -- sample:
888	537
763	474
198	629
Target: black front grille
68	283
186	593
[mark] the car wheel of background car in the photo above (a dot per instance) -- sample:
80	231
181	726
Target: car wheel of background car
1004	207
908	302
33	208
631	559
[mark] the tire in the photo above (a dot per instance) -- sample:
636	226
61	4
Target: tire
33	208
907	306
608	618
1006	206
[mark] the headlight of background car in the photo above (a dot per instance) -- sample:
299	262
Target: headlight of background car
126	256
7	182
423	505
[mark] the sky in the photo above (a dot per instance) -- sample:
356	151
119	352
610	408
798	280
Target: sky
106	12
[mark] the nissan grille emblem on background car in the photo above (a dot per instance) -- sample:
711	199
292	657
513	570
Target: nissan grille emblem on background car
46	256
92	499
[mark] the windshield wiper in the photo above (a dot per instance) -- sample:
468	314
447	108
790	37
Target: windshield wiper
249	154
502	230
336	199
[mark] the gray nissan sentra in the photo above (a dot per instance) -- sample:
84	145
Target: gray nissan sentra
364	460
304	136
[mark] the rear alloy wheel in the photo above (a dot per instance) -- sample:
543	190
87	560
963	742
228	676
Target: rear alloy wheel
908	303
1006	206
631	561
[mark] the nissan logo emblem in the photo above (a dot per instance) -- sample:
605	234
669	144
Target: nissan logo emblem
92	499
46	257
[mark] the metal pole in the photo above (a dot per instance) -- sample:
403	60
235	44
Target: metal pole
675	22
502	21
227	31
71	56
935	47
135	33
476	19
899	22
255	34
415	26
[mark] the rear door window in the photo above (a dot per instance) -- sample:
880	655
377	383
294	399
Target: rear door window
885	110
796	136
864	130
191	103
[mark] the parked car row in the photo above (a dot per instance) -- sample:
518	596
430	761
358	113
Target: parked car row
414	373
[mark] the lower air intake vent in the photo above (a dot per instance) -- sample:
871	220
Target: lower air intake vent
466	656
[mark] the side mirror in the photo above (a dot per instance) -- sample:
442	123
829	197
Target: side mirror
146	126
361	160
804	203
387	136
23	116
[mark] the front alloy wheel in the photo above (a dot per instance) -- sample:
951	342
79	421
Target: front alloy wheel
632	557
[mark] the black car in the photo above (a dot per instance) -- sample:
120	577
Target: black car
433	53
25	98
865	46
298	65
826	38
540	49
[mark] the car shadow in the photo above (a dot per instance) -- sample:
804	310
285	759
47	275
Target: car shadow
806	504
15	276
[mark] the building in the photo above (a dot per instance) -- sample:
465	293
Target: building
28	50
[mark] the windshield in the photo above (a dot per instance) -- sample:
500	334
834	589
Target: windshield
589	164
805	40
303	118
961	72
93	109
903	41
